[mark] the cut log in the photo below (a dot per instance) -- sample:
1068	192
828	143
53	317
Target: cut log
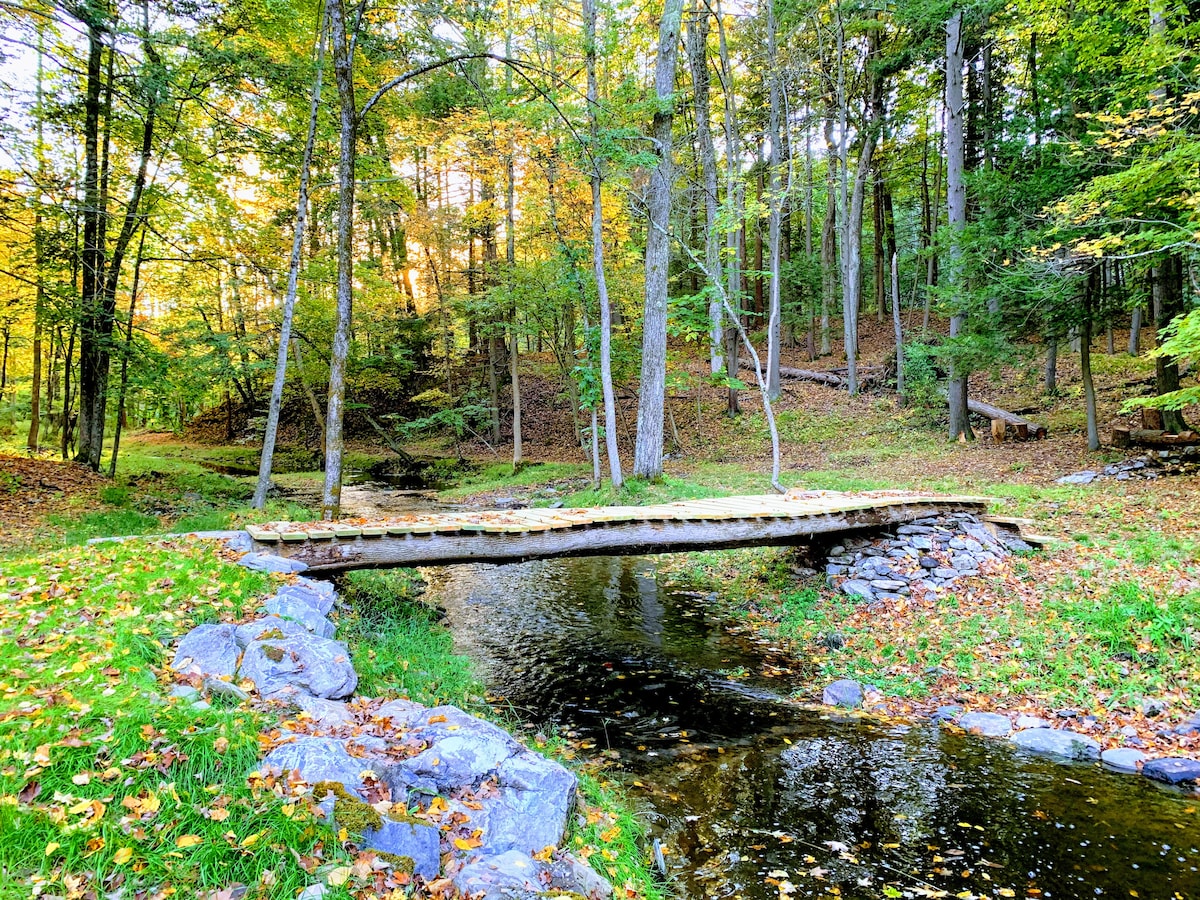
1023	428
1152	419
999	430
1123	436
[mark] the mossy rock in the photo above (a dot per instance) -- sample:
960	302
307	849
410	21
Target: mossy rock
349	812
404	864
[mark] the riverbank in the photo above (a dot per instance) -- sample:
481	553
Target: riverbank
110	783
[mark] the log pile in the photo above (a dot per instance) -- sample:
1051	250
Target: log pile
1124	436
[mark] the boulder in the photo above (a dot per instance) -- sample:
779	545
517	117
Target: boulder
299	611
300	664
1122	759
1057	742
416	840
534	805
568	873
845	693
986	723
1173	770
246	634
856	587
316	759
319	601
218	687
207	650
401	713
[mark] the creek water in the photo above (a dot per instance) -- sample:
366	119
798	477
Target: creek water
754	797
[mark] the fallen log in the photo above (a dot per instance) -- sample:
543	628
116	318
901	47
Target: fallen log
1023	428
1124	436
828	378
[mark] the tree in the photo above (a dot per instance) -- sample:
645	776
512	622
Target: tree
956	205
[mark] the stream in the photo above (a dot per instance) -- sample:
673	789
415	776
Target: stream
753	797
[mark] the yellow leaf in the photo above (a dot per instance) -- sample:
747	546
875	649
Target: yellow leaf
219	815
79	667
338	876
52	846
251	839
188	840
122	856
81	778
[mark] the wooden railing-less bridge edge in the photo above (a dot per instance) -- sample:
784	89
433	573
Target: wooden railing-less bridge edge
519	535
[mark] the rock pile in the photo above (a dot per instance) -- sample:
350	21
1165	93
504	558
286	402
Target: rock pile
1152	464
435	792
925	555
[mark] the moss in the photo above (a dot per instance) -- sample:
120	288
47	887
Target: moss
275	654
271	634
398	814
399	863
348	811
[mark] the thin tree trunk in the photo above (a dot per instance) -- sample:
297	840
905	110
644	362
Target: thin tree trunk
1135	331
648	450
733	199
343	67
829	254
289	300
960	426
1085	364
1051	375
606	382
697	47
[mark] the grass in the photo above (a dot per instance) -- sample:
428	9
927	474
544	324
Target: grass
106	785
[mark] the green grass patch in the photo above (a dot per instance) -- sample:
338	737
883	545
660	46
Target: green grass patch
104	784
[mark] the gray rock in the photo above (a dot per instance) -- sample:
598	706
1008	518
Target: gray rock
1152	706
300	664
317	759
1122	759
246	634
1173	770
313	892
884	584
326	713
568	873
1191	726
185	692
299	611
856	587
945	573
324	588
218	687
460	759
928	562
418	842
948	712
444	721
966	565
914	529
268	562
986	723
502	877
1056	742
401	713
1024	723
921	542
319	601
832	569
207	650
1079	478
845	693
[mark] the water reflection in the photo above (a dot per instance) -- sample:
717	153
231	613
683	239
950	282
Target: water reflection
753	797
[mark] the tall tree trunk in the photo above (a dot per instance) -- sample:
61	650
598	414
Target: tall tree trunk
1051	372
697	53
956	205
648	450
1135	331
829	254
289	299
1168	303
32	442
606	382
774	336
343	68
898	329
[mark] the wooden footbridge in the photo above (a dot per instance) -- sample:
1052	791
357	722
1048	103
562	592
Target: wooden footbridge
506	536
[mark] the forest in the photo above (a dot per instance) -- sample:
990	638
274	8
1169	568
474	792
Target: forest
478	449
369	222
